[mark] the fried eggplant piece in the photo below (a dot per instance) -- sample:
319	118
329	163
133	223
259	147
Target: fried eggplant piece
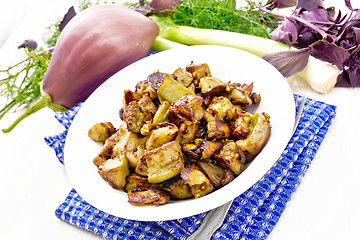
179	190
255	97
241	126
171	90
146	103
107	149
134	181
190	156
198	71
147	195
190	146
146	128
238	94
114	171
137	113
135	149
99	132
164	162
135	117
144	87
165	133
231	156
142	168
259	133
201	132
183	77
197	180
248	89
199	141
188	108
120	146
130	96
217	175
228	177
187	132
161	114
98	160
211	86
155	79
222	108
208	148
217	128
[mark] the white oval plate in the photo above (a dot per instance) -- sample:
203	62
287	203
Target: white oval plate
227	64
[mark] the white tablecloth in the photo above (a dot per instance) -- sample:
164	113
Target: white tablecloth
33	183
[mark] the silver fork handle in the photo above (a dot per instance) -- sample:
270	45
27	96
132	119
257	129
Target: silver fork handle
299	112
211	222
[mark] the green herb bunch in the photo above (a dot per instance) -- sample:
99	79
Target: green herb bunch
225	15
23	82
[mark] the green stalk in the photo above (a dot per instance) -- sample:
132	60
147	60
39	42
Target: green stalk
5	109
198	36
322	80
44	101
162	44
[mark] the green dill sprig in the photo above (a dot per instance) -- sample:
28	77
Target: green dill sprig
224	15
22	86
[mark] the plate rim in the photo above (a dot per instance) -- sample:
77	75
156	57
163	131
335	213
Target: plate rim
185	203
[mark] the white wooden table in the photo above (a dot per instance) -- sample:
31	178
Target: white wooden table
33	183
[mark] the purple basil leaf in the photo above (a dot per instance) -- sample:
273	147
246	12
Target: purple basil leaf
307	38
354	75
317	16
349	24
320	19
164	6
29	43
348	5
352	69
357	14
67	17
343	80
355	51
356	32
280	3
331	53
289	62
309	4
340	18
286	32
350	76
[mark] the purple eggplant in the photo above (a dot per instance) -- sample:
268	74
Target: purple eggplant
93	46
164	6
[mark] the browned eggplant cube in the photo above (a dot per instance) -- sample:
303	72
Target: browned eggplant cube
114	171
198	181
164	162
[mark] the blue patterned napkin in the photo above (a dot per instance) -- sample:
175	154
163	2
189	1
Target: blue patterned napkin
253	214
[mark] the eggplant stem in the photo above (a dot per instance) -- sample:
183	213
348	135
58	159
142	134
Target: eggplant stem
41	103
5	109
44	101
